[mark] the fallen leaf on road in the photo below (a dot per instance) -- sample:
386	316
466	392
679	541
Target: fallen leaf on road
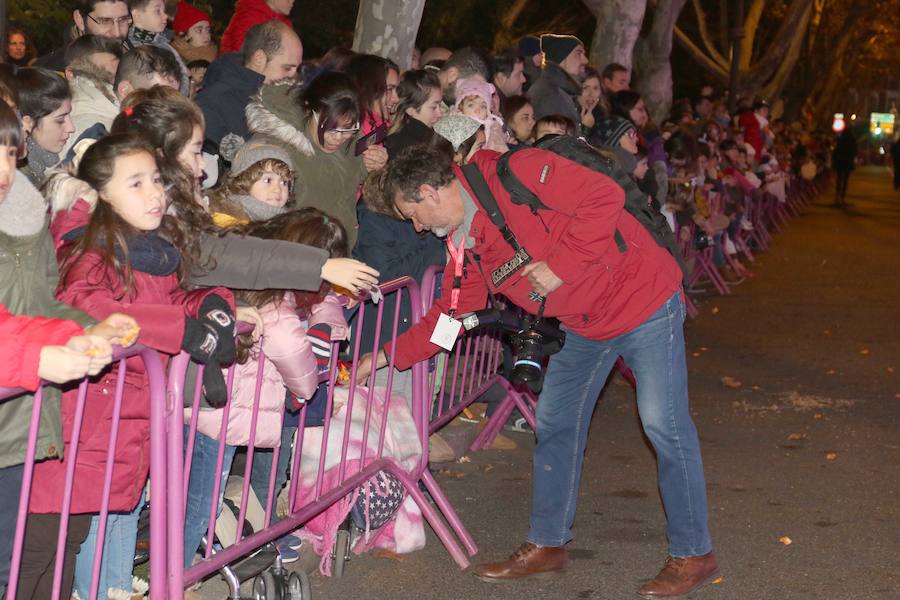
755	388
703	349
827	332
696	354
717	580
785	540
830	372
731	382
797	436
715	310
890	369
382	553
488	468
464	459
817	416
453	474
864	351
830	455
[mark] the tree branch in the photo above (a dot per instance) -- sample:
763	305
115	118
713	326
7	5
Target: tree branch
714	54
751	24
700	56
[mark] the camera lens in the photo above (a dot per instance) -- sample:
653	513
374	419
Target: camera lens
528	365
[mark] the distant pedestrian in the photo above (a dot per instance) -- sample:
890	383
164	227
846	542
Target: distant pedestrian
843	159
895	154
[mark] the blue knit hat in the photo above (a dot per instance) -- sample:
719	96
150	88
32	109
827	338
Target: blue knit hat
529	45
611	130
557	47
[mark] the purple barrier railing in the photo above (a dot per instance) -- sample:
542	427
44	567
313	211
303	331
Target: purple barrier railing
474	365
348	454
152	364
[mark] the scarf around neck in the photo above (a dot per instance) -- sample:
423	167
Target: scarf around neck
259	211
147	252
39	160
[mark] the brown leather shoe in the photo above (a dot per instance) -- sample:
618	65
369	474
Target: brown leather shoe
681	576
530	560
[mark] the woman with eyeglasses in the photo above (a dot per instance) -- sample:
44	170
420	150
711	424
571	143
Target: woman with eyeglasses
45	103
319	125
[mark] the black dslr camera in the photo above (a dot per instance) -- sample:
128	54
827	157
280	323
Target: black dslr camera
533	339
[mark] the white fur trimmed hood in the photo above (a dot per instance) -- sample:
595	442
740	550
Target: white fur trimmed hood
275	112
23	212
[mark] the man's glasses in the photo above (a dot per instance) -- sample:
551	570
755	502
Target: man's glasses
107	22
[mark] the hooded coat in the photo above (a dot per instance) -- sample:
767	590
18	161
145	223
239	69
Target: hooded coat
227	89
28	278
327	181
93	100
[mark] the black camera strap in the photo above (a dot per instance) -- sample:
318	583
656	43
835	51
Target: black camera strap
486	199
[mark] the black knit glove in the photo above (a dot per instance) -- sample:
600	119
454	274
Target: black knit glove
201	340
215	312
214	388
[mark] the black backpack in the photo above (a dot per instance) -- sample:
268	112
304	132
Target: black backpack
579	151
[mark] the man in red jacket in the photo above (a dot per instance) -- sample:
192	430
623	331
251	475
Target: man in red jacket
610	302
248	13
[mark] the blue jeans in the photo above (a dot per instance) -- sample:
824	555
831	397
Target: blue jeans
200	490
118	553
262	469
11	483
576	375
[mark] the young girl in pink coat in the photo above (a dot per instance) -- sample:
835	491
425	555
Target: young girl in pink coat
292	322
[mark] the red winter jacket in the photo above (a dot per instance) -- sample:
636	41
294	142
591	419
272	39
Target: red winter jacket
247	13
753	134
605	292
160	306
22	340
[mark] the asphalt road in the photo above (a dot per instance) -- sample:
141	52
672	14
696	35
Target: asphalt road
806	448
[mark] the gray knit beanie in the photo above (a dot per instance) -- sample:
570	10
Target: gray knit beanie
256	150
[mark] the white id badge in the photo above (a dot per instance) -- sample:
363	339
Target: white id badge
446	332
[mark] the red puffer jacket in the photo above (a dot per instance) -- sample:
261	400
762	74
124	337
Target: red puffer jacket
247	13
160	306
22	340
605	292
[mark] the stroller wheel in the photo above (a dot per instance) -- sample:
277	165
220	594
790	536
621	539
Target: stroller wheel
268	587
298	587
341	552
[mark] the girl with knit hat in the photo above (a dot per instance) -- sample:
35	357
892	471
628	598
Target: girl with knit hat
474	98
193	34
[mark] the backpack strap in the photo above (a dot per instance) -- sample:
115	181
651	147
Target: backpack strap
522	195
485	197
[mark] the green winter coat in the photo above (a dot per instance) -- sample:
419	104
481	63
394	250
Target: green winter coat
28	278
329	182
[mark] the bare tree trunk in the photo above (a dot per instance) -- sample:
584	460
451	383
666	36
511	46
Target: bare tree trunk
506	34
617	30
653	67
388	28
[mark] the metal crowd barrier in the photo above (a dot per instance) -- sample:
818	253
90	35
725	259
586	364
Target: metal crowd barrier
153	366
352	470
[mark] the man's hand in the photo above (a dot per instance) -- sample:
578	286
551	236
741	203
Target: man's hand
249	314
542	278
117	328
374	158
364	367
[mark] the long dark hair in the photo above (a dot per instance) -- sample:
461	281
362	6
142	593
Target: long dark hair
332	96
369	73
413	91
10	131
41	92
166	120
309	226
106	232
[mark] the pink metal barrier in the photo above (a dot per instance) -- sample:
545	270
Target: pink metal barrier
345	458
153	367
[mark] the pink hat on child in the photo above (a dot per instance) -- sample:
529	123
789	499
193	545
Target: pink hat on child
473	86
